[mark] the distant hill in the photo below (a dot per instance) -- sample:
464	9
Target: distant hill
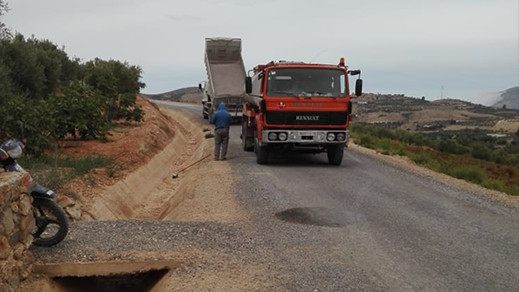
187	94
508	99
399	111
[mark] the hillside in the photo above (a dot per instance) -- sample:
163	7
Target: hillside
408	113
399	111
186	94
508	99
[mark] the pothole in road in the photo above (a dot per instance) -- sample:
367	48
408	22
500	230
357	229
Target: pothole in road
113	277
316	216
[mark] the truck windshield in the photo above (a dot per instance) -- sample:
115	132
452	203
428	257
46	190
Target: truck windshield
306	82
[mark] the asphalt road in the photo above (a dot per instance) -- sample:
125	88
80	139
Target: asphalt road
363	225
367	225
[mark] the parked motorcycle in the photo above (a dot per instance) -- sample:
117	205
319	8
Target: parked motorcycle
51	220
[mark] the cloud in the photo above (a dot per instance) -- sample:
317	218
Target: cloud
182	18
402	46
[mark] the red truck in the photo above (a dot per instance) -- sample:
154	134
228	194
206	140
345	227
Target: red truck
296	106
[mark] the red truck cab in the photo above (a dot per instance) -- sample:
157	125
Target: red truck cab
295	106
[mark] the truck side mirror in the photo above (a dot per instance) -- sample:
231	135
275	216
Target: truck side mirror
248	84
200	86
358	87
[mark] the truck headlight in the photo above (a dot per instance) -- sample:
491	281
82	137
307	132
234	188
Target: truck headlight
273	136
341	137
330	136
282	136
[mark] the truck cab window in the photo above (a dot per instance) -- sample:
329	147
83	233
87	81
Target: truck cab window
280	85
306	82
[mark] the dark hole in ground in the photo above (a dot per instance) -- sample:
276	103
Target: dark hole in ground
132	282
316	216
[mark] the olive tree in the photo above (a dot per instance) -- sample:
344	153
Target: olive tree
119	83
45	96
4	31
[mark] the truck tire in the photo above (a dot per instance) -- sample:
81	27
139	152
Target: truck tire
210	116
204	111
247	140
335	153
262	153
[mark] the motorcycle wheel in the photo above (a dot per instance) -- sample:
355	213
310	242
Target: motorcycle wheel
51	222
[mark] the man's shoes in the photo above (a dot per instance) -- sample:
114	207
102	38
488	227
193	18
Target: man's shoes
216	159
224	158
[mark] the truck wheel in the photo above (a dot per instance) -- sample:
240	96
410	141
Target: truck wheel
247	142
335	153
204	112
210	116
262	153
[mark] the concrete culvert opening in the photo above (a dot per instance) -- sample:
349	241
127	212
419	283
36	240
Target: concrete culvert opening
143	281
107	276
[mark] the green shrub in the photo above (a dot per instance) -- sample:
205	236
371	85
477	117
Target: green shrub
469	173
421	159
501	186
494	184
451	146
481	151
83	165
401	151
366	141
53	172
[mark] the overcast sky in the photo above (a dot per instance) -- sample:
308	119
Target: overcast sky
410	47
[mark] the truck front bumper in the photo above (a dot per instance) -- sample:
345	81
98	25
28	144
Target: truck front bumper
305	136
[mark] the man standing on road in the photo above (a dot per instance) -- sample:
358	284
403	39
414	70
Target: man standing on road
222	121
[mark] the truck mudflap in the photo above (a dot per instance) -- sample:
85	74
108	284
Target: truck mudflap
305	136
234	105
235	110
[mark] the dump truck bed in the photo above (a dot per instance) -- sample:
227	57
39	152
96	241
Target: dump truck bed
225	68
228	79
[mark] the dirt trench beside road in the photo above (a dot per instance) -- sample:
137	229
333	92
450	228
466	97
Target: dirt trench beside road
200	196
200	192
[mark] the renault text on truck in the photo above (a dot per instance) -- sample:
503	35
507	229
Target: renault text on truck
295	106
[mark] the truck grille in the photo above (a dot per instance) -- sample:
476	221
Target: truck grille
306	118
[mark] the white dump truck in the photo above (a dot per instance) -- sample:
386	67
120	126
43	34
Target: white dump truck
225	77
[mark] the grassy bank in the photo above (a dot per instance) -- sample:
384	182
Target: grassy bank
55	171
489	163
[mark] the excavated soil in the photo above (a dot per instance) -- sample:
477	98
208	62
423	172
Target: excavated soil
142	184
